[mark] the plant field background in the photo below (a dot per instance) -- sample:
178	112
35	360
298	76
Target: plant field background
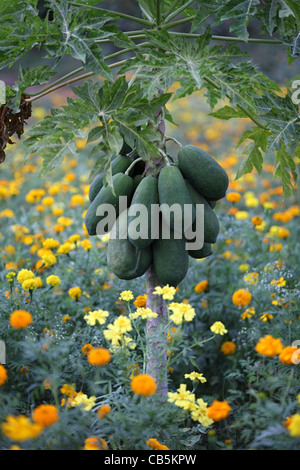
257	250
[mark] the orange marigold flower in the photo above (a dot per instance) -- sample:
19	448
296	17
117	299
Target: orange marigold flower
201	287
143	384
269	346
233	197
95	443
288	356
99	356
152	442
3	375
241	298
228	348
86	349
20	319
45	415
256	220
140	301
218	410
103	411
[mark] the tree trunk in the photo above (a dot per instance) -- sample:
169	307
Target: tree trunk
156	356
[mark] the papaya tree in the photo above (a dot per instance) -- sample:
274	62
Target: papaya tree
120	103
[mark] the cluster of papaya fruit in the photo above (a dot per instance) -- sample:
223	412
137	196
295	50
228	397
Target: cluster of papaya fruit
196	178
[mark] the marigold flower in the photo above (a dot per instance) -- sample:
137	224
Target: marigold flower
218	410
199	412
45	415
86	245
68	390
181	311
294	425
50	243
167	292
3	375
29	284
182	398
25	274
86	349
75	293
218	328
81	399
96	316
20	428
143	384
99	356
195	376
228	348
233	197
103	411
241	298
143	313
20	319
126	295
269	346
53	280
122	324
95	443
140	301
241	215
201	287
289	355
152	442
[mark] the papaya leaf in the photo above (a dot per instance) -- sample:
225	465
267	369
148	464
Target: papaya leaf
228	113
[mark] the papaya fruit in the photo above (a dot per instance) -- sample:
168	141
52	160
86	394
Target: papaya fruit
118	165
173	190
203	172
202	253
170	259
125	260
140	224
136	181
123	187
211	222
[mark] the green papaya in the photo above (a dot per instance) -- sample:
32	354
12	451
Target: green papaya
136	181
123	187
170	259
124	259
172	190
203	172
202	253
118	165
211	222
139	222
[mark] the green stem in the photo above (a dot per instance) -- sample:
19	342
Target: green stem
178	22
169	11
121	15
179	10
158	12
132	165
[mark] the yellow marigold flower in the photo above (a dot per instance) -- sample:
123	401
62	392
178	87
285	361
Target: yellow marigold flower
244	267
218	328
182	398
68	390
65	221
294	425
228	348
7	213
155	444
103	411
251	202
289	355
81	399
167	292
49	259
25	274
48	201
50	243
65	248
86	244
279	282
218	410
195	376
96	316
10	276
143	384
269	346
29	284
45	415
181	311
241	298
20	319
75	293
112	334
241	215
126	295
143	313
251	278
99	356
233	197
283	232
122	324
199	412
20	428
3	375
140	301
57	211
266	316
74	238
201	287
77	200
95	443
53	280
